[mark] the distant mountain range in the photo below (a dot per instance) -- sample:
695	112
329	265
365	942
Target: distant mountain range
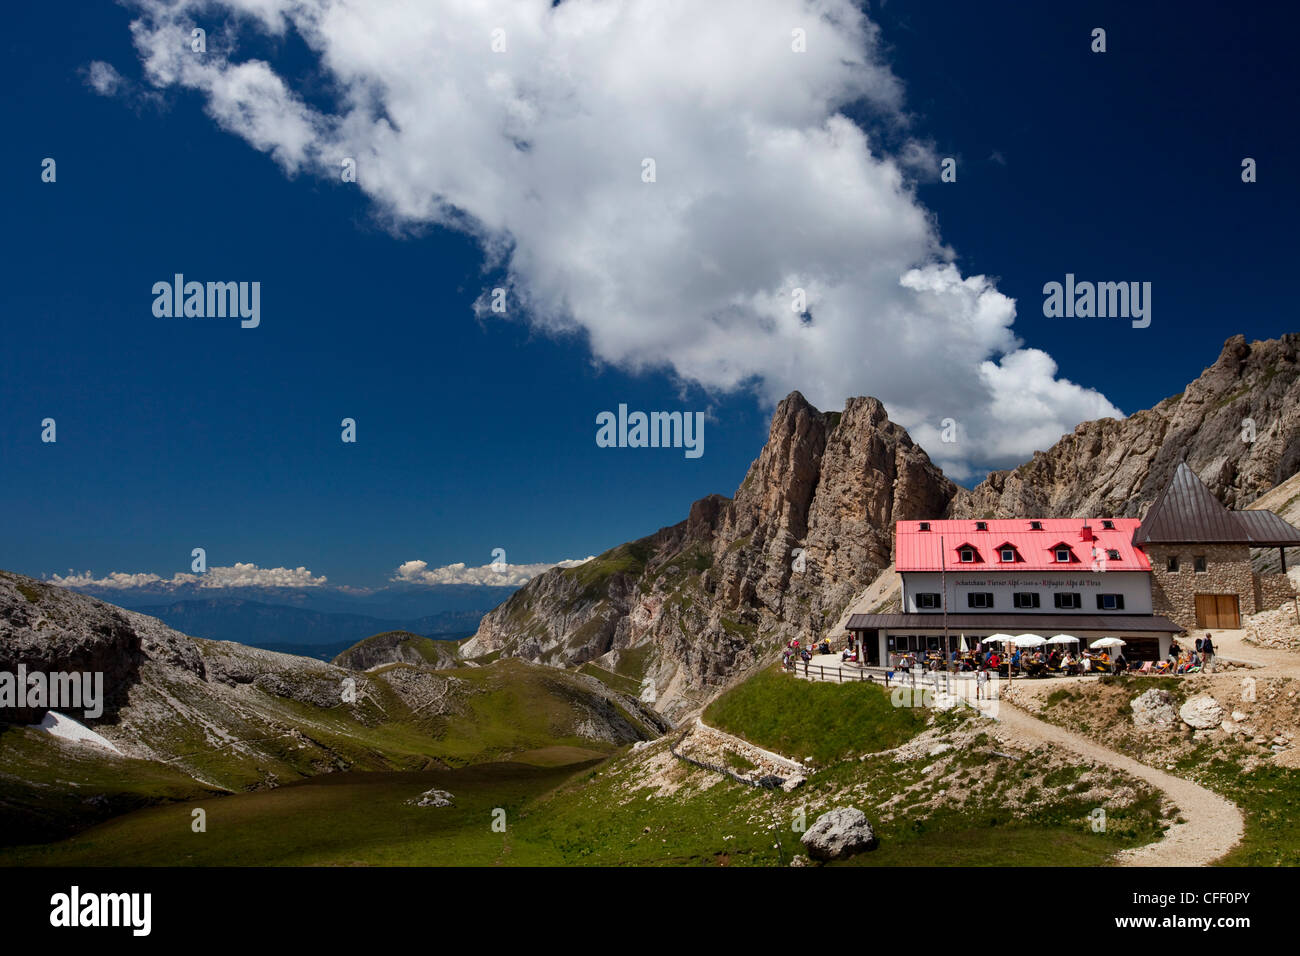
398	601
315	622
294	629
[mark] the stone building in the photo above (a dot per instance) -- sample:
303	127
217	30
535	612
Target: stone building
1201	574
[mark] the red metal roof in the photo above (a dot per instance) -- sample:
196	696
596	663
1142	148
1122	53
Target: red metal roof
918	550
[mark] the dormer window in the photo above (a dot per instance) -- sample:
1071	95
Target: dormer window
925	526
1112	554
1063	554
966	555
1035	526
1009	555
981	526
1108	526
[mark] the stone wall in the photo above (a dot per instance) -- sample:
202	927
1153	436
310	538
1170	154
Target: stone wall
1274	591
1227	571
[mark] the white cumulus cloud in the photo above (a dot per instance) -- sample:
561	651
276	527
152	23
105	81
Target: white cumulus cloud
235	576
762	187
493	575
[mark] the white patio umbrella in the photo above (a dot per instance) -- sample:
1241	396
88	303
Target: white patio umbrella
962	647
1062	639
1108	642
1029	640
997	638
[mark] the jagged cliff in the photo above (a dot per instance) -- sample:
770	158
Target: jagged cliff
1119	467
684	609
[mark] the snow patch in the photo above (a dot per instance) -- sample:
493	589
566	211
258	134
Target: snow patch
68	729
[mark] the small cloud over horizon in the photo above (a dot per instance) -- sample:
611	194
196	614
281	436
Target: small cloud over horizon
491	575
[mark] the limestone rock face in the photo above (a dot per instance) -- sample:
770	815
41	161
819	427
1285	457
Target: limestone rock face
397	647
1201	712
687	607
50	630
1153	710
1110	467
838	833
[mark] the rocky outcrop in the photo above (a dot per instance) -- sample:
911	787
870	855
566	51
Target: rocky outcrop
48	630
839	833
1153	710
683	610
398	647
433	798
1202	712
1118	467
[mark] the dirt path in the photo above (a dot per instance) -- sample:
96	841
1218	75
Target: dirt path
1232	645
1213	824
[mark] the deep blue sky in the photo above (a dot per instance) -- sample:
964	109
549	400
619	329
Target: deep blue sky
481	435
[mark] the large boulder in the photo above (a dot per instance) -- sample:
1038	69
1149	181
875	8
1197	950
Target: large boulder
838	833
1153	710
1201	712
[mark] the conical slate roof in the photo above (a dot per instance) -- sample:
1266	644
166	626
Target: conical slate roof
1188	512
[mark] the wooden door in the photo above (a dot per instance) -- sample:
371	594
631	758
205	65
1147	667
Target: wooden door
1228	612
1217	611
1207	613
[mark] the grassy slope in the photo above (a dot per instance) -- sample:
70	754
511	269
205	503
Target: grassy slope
802	719
609	816
435	653
86	783
336	820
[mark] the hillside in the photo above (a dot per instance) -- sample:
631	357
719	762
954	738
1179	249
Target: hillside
399	647
688	608
192	715
931	783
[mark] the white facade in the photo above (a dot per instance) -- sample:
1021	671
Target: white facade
1134	587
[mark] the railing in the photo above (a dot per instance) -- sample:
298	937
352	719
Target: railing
939	681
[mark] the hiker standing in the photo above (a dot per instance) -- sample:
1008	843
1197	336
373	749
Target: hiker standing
1207	651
